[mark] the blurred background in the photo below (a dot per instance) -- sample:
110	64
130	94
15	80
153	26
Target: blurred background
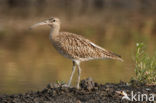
29	62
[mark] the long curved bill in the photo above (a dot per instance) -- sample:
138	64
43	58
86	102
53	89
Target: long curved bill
38	24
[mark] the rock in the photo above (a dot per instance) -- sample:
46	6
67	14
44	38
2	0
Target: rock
87	84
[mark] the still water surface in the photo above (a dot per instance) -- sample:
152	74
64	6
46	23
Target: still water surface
30	63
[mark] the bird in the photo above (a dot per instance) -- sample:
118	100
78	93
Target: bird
75	47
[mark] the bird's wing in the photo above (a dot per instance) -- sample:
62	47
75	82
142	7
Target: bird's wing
78	47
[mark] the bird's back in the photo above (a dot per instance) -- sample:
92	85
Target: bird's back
77	47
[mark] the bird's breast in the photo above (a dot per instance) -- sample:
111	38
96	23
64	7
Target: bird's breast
59	46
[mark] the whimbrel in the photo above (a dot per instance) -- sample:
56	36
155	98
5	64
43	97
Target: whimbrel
75	47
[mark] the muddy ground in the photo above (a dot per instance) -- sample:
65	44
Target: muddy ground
90	92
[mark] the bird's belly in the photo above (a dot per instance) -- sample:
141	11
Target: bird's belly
69	55
63	52
72	57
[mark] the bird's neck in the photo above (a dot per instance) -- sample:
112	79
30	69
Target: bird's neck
54	32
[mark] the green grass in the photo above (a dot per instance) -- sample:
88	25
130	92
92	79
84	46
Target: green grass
145	66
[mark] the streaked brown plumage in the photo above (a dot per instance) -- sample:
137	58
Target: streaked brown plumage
75	47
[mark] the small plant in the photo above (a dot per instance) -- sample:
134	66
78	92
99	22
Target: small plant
145	66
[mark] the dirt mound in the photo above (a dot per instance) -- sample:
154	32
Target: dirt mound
90	92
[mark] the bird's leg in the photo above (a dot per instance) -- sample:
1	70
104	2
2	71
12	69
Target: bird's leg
79	75
73	71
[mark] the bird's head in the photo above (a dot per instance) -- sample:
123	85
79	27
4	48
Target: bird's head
52	22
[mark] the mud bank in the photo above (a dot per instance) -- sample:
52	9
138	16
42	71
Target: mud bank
90	92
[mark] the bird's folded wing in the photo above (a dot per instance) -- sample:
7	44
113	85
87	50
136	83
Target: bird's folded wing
78	47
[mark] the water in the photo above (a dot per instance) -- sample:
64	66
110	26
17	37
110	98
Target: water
29	62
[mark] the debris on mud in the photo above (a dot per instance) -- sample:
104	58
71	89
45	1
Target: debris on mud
90	92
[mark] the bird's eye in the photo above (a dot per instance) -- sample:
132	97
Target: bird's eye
54	20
